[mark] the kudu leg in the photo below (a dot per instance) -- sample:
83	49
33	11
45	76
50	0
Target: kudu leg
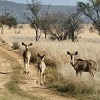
37	79
91	73
41	78
80	73
44	81
77	73
25	68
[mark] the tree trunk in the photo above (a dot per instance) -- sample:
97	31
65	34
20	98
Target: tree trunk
65	36
15	31
19	31
38	34
72	37
36	38
2	29
45	35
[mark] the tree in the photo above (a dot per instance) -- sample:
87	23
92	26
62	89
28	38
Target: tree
18	29
57	28
35	19
92	11
73	23
3	20
7	20
45	23
61	25
52	24
11	22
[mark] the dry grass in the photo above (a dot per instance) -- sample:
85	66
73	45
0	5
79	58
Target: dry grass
70	84
64	78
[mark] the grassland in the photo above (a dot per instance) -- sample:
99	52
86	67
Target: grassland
64	78
61	76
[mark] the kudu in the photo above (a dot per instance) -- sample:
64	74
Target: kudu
82	65
41	67
26	57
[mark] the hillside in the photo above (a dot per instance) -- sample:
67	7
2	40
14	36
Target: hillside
18	10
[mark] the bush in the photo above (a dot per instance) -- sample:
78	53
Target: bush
15	45
77	89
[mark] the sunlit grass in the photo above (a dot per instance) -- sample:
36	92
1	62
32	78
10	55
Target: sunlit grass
61	75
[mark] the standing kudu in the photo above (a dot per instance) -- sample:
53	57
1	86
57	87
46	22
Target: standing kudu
41	66
26	57
82	65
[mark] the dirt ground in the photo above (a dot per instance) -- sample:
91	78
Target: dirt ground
29	85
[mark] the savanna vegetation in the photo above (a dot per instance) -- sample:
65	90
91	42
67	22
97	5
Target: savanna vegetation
61	27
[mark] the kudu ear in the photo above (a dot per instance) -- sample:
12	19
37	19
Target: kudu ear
76	53
44	55
30	44
23	43
68	52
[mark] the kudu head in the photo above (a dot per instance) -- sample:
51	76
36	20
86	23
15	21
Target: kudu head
27	45
72	56
41	57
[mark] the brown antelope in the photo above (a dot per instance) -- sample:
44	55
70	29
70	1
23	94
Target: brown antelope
26	57
41	66
82	65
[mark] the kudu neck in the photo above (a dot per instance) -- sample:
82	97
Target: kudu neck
42	60
73	61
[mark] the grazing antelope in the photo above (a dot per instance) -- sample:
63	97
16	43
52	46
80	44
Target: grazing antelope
26	57
41	66
82	65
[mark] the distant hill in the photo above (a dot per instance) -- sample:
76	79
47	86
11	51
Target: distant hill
17	10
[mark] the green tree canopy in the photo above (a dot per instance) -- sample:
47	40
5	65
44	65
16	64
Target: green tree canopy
92	11
7	20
